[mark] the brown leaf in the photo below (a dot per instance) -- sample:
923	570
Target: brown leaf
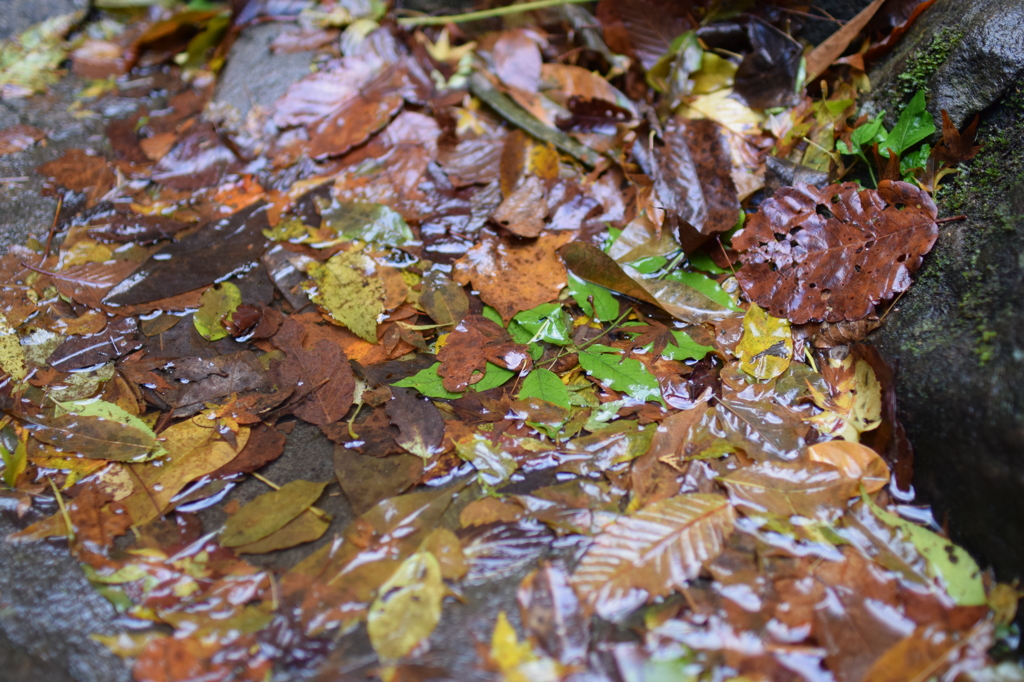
652	477
16	138
551	612
475	342
323	375
651	553
517	60
488	510
957	147
813	490
832	254
643	29
270	512
522	212
265	444
442	299
821	57
199	158
81	171
513	274
420	425
367	480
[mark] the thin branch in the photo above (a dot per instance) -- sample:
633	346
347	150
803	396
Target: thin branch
487	13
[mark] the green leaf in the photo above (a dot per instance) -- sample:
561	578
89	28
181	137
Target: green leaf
547	322
706	286
915	159
953	566
545	385
915	124
375	223
493	315
702	261
270	512
596	301
626	375
217	303
685	348
14	462
649	265
347	288
428	381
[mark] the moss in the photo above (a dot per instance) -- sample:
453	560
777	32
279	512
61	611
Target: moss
924	63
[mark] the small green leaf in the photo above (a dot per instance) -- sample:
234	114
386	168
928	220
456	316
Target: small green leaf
547	322
626	375
649	265
605	306
915	124
949	563
685	348
428	381
493	315
706	286
217	303
14	462
374	223
270	512
702	261
545	385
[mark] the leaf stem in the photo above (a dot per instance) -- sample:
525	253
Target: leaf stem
487	13
63	509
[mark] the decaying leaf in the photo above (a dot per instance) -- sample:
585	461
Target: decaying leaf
475	342
347	287
652	552
270	512
766	349
408	607
217	304
833	254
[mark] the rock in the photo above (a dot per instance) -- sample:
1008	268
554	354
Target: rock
240	88
965	55
956	338
47	612
18	15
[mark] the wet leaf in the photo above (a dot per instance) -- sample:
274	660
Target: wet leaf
545	385
211	253
447	549
620	373
815	490
367	480
511	274
442	299
321	376
914	125
832	254
590	263
643	29
28	63
475	342
270	512
16	138
956	147
373	223
652	552
408	607
954	567
916	657
217	304
766	348
306	527
419	423
551	612
854	460
503	550
12	357
95	429
347	288
596	301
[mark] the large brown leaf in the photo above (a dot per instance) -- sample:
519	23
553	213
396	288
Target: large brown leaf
322	375
832	254
814	489
475	342
643	29
653	552
513	274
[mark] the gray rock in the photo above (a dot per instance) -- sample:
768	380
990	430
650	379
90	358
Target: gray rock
18	15
241	86
957	337
47	612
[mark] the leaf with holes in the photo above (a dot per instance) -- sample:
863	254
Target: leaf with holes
832	254
653	552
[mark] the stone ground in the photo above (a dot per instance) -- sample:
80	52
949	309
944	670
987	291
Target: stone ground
965	417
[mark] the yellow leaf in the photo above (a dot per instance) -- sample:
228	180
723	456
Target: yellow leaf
407	608
12	357
348	288
766	349
543	161
854	460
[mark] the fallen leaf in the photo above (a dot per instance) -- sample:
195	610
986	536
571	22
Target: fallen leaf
419	423
832	254
306	527
814	490
217	305
766	349
551	612
442	299
652	552
854	460
16	138
347	287
270	512
408	607
475	342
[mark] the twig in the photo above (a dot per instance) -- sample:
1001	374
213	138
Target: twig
952	219
63	509
892	306
487	13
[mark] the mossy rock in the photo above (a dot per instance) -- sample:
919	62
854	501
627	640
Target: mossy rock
956	338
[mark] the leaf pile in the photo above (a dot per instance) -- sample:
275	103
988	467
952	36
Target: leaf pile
514	275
